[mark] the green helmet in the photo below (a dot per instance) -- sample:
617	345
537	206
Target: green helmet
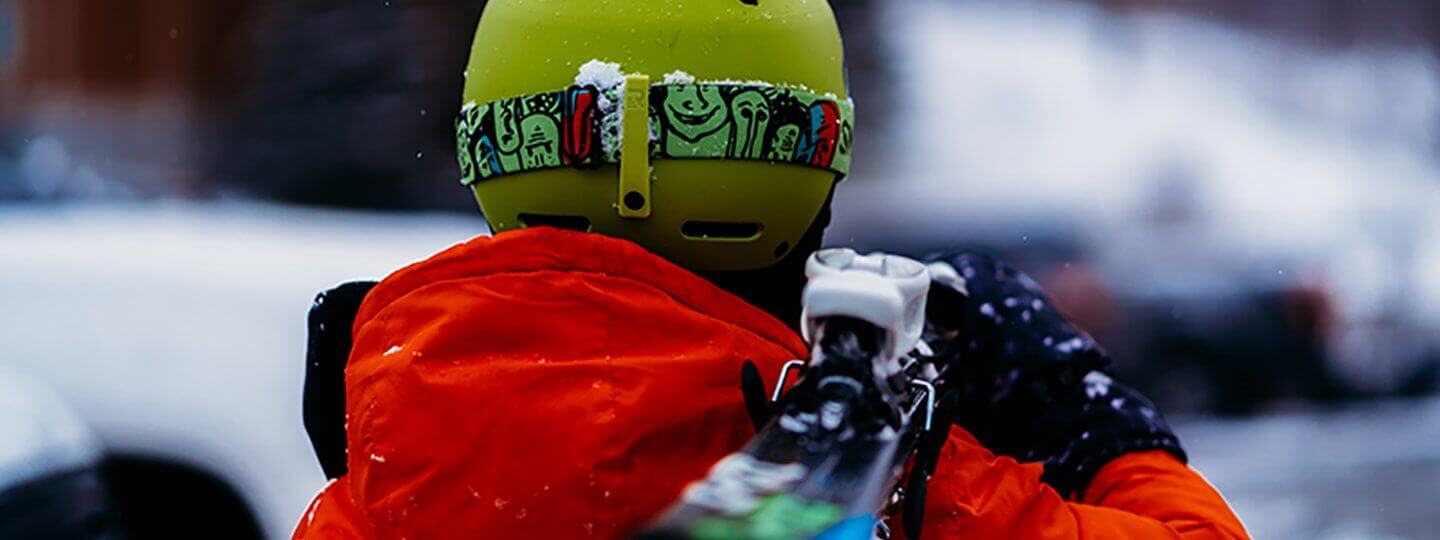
708	131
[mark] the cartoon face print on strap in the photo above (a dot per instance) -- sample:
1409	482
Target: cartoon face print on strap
790	127
465	126
751	108
541	135
488	159
694	112
507	125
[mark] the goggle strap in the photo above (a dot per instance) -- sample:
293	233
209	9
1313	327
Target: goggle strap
568	128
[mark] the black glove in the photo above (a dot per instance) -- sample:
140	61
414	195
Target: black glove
1033	387
328	350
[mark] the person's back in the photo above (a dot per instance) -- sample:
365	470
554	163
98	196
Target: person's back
553	383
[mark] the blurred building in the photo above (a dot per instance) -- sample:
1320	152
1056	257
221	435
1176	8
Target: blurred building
1314	22
326	102
352	105
336	103
116	97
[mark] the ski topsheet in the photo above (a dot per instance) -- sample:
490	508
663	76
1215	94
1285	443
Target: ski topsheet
828	463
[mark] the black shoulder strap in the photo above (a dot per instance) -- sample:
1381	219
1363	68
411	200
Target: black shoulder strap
327	351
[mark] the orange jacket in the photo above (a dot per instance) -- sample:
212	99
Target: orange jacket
552	384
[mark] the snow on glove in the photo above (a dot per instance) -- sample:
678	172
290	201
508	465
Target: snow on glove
1033	387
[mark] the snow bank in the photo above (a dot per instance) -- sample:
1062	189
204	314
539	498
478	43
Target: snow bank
178	329
39	433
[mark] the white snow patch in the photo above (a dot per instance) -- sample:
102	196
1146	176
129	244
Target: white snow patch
1389	451
1097	384
987	310
600	73
39	433
679	77
1070	345
609	79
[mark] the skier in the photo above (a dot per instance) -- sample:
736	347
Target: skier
656	174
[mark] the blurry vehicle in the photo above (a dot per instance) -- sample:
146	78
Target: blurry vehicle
177	332
1235	349
1199	327
50	483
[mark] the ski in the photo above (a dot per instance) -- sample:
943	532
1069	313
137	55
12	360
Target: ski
830	461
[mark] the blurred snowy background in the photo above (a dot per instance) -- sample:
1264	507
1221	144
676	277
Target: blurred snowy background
1237	198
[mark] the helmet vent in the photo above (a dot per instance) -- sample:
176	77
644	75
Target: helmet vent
574	223
720	231
634	200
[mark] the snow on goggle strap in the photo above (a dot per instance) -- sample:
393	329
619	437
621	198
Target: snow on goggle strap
579	127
